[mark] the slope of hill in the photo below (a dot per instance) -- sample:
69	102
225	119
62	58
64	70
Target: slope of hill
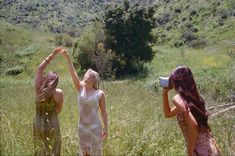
21	50
194	23
52	15
178	21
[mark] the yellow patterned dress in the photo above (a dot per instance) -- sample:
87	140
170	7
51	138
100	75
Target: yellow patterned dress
47	137
205	144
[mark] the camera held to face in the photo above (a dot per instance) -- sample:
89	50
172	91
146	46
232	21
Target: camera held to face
164	82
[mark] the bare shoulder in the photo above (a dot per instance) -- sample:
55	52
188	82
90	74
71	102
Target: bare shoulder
58	94
179	103
101	95
82	83
101	92
58	91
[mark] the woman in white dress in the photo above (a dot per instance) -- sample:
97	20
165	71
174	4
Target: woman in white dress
90	100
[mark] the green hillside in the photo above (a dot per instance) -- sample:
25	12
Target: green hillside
68	16
175	17
194	23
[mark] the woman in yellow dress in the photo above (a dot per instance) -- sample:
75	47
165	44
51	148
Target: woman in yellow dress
49	101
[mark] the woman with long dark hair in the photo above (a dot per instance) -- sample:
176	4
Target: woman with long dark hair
189	108
49	100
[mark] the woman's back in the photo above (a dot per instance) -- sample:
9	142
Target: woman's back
205	144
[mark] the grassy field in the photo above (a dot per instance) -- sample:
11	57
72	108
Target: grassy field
134	104
137	124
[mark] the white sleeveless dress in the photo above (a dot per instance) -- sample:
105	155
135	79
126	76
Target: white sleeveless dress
89	126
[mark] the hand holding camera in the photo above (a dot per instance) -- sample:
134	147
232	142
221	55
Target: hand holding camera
165	83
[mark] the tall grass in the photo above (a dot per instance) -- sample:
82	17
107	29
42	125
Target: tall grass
137	124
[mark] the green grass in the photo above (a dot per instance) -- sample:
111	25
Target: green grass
134	105
137	123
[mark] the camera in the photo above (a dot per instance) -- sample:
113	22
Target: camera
164	82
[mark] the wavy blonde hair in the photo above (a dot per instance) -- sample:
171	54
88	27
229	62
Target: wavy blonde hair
95	76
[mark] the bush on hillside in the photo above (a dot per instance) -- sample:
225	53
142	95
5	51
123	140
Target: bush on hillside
90	52
28	51
14	70
163	19
102	60
63	40
188	36
198	43
191	40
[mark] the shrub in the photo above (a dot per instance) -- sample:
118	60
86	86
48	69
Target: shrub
163	19
177	10
188	36
90	51
63	40
102	61
28	51
178	44
193	12
14	70
198	43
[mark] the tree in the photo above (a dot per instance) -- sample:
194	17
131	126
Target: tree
89	51
128	34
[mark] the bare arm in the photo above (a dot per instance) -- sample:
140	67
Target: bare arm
102	104
58	99
168	111
72	70
41	68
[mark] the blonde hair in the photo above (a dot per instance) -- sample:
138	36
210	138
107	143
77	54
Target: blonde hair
95	76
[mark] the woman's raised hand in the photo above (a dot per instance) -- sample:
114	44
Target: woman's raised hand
57	49
64	53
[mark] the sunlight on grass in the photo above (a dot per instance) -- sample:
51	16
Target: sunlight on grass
137	124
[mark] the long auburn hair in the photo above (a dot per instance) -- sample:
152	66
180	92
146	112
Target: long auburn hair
184	84
48	85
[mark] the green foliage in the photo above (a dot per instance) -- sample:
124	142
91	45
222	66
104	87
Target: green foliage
90	52
14	70
203	21
28	51
85	45
102	61
128	31
63	40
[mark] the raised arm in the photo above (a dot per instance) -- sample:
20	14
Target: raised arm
72	70
168	111
41	68
102	104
